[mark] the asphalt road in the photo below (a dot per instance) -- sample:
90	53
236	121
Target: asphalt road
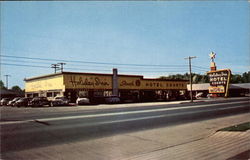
25	128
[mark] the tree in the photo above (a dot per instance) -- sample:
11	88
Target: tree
198	78
2	85
16	89
246	77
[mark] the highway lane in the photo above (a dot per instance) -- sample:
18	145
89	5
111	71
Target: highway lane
47	112
73	126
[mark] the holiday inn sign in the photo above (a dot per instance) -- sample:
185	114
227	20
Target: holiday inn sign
219	81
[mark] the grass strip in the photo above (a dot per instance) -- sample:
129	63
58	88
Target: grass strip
240	127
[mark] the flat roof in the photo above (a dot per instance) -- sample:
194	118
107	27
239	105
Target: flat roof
85	73
98	74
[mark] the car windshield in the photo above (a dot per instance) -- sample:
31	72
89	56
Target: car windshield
36	99
62	98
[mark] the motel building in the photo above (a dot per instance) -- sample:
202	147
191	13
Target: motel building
95	86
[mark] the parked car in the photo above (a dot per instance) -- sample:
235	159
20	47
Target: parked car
82	100
199	95
112	99
39	102
22	102
60	101
4	101
12	102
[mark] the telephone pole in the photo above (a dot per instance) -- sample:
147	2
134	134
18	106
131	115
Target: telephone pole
190	72
7	80
61	66
55	66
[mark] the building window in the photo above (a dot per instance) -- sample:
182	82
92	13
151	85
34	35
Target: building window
56	94
49	94
29	95
83	94
35	95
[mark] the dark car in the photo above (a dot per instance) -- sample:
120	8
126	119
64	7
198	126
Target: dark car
4	101
112	100
12	102
60	101
22	102
39	102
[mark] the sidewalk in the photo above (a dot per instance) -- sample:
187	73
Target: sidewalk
219	146
197	140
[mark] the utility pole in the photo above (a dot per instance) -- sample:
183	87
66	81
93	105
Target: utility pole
7	76
55	66
190	72
61	66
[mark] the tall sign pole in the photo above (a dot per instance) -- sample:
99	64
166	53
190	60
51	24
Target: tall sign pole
190	78
219	79
212	64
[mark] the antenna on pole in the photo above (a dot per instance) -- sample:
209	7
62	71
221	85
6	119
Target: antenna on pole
190	72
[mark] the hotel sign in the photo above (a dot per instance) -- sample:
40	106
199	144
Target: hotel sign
219	81
150	84
219	89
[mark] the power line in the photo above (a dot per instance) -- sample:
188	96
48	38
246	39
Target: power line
88	62
97	66
22	65
199	67
37	66
129	67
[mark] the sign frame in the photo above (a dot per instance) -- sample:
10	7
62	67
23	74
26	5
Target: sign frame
227	80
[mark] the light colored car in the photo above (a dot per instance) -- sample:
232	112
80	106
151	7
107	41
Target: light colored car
12	102
60	101
82	100
112	99
199	95
4	101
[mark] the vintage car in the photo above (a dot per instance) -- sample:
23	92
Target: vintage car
59	101
39	102
22	102
5	101
112	99
12	102
82	100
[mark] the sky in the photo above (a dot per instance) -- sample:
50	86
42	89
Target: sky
149	38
